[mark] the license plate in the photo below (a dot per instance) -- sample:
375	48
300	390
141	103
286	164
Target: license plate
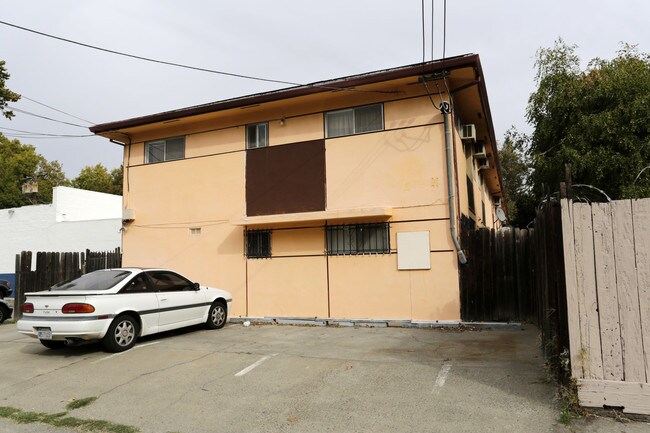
44	334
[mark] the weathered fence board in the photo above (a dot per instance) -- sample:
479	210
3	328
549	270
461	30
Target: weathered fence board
610	330
587	298
607	298
634	397
641	211
628	299
573	304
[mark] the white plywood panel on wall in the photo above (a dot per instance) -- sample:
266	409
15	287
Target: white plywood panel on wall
413	250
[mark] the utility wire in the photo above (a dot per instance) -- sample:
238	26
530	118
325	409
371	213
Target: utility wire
444	32
423	32
179	65
55	109
46	134
46	118
35	137
432	25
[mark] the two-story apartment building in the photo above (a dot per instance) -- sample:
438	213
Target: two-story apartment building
338	199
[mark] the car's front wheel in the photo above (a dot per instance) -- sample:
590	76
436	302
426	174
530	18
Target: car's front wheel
122	334
217	315
53	344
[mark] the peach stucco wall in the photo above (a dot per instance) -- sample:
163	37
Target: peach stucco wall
401	168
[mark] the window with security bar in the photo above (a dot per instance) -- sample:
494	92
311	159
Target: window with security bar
373	238
258	244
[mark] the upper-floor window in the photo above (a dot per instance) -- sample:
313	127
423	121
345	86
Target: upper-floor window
354	120
370	238
168	149
470	194
257	135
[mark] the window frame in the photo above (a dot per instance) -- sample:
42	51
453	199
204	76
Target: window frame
257	135
164	142
471	201
258	251
151	275
354	125
346	230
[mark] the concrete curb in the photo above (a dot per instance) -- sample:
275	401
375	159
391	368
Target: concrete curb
370	323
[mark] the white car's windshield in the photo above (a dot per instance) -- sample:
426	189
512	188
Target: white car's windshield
98	280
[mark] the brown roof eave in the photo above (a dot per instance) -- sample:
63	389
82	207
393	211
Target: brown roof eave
488	118
292	92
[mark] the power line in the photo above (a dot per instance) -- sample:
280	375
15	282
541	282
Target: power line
44	117
55	109
33	137
45	134
444	32
179	65
433	22
423	32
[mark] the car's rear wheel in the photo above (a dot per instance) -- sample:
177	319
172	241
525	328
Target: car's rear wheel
217	315
4	313
53	344
122	334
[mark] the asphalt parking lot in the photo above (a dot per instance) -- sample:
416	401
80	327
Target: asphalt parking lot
272	378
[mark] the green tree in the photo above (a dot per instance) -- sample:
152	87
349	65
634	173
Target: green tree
515	172
117	174
20	163
597	119
6	95
97	178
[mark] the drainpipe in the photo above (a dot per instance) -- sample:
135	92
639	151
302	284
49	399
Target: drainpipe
444	109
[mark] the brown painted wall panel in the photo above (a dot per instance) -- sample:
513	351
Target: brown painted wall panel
286	179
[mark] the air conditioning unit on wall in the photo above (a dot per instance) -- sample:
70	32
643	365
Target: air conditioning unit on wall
468	133
128	215
480	152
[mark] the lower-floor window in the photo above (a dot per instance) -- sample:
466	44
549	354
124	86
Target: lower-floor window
258	244
371	238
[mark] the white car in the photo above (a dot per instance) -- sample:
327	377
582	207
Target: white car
117	306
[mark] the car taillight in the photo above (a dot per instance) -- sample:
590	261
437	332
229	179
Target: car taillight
77	308
28	307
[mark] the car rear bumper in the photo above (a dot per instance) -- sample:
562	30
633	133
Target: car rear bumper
84	328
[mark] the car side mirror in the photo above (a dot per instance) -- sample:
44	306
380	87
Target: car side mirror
196	286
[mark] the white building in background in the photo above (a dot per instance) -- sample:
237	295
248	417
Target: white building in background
75	221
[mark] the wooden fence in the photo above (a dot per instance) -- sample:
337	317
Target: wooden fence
607	254
495	283
52	268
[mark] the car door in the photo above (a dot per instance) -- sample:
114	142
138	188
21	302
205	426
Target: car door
141	296
179	303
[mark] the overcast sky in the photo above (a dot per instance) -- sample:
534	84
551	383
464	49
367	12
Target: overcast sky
298	41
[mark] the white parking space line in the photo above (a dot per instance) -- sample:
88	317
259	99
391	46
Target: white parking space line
253	365
139	346
442	376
